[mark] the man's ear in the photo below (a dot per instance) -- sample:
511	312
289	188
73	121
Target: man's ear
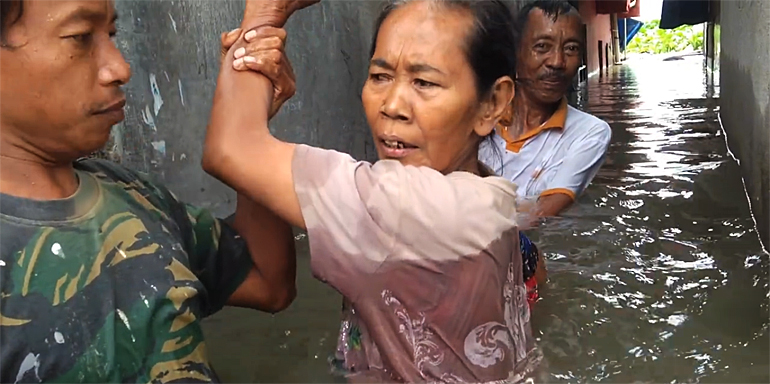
498	106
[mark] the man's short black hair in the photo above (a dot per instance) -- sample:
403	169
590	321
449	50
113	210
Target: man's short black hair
551	8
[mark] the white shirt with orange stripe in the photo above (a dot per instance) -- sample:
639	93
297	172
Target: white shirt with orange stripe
561	156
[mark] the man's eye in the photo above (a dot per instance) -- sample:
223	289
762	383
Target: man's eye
82	38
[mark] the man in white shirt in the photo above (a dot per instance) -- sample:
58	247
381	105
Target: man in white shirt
549	149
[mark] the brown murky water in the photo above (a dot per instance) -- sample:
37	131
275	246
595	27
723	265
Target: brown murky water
656	275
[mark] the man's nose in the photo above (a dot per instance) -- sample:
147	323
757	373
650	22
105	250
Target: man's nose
557	60
113	69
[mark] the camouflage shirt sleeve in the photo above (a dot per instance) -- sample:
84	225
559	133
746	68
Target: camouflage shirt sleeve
218	256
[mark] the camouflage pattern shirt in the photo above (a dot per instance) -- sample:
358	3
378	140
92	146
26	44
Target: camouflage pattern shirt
110	285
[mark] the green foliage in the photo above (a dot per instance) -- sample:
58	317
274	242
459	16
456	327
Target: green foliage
652	39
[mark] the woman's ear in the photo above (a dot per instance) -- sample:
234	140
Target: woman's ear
498	107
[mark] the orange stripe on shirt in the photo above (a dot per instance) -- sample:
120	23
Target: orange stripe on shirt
554	191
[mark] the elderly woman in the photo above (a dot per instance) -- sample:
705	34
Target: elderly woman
424	244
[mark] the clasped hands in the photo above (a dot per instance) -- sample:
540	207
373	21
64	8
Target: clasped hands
263	48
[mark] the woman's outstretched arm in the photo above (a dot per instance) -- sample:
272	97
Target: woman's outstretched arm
239	149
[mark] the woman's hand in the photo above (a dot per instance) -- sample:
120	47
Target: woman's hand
264	53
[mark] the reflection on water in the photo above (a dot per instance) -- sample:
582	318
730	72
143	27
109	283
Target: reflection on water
655	276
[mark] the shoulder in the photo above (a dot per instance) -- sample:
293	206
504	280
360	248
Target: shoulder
109	171
456	202
128	183
450	216
586	126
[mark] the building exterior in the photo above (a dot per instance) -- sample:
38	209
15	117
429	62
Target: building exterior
601	32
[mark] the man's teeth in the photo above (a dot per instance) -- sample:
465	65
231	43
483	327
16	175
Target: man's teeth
394	144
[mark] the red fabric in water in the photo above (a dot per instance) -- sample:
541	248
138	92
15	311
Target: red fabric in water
532	295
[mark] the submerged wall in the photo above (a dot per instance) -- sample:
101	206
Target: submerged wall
173	49
745	98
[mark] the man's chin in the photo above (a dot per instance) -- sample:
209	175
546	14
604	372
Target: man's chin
549	97
96	143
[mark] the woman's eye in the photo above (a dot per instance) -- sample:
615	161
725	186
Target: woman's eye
424	84
378	76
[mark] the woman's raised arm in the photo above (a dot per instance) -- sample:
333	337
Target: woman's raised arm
239	149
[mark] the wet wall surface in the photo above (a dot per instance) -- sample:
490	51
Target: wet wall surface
656	275
745	67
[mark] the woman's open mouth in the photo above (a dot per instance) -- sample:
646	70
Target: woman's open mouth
396	149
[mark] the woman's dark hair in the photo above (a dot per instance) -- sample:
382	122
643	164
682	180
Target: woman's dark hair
490	48
10	13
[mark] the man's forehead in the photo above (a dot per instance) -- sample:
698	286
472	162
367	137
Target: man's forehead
538	21
58	11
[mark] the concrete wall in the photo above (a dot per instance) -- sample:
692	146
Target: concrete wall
597	28
745	97
173	49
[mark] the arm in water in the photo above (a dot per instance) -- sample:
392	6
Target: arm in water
239	149
553	205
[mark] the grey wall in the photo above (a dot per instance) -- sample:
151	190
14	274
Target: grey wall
173	49
745	97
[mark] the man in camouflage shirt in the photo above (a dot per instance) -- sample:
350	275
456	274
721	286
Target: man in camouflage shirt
105	275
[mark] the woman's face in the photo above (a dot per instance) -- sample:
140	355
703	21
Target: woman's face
420	97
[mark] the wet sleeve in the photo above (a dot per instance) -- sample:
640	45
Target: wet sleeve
218	256
360	215
348	241
580	165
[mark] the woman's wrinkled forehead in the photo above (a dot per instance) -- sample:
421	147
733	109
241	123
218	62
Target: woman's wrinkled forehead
424	31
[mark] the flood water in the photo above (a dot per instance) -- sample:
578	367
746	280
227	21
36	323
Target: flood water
656	275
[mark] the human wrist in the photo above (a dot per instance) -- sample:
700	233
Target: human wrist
265	13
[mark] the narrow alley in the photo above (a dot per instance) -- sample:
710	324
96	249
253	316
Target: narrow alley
655	276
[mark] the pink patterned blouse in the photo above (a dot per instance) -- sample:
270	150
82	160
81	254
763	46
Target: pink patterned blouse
429	265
